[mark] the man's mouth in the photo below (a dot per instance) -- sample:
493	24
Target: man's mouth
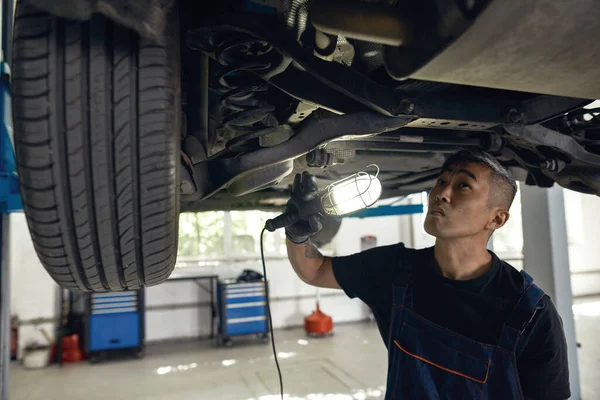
437	211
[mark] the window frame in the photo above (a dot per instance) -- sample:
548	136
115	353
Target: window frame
229	256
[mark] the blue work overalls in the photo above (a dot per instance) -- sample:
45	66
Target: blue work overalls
427	361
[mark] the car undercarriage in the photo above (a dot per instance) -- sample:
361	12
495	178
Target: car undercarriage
156	107
319	86
274	87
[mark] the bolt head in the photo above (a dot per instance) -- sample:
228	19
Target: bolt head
185	187
515	116
407	106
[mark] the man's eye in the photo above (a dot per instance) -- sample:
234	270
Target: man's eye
465	185
440	181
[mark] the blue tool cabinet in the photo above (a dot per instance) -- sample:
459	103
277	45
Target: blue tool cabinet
115	323
242	310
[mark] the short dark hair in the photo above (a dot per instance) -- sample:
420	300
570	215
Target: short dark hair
503	187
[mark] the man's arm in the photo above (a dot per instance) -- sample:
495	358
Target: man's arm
310	265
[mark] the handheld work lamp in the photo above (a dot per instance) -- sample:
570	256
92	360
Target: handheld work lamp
342	197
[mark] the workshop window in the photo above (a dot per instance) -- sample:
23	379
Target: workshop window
201	234
245	233
226	237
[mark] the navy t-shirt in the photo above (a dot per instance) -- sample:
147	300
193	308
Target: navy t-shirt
474	308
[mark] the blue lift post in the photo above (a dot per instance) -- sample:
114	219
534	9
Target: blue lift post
10	200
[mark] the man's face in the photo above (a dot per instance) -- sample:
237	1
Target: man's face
458	202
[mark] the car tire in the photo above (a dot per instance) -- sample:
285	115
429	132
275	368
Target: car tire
97	136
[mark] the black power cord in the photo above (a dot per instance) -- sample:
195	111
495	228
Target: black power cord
262	256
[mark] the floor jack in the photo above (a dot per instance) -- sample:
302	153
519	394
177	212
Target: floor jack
10	200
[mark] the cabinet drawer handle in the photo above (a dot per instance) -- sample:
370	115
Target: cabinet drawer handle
248	319
244	305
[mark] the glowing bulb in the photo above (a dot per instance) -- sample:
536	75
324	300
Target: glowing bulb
351	194
345	196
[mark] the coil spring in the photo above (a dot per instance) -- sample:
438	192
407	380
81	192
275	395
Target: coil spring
243	58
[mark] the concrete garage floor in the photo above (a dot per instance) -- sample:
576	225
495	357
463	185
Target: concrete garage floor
348	366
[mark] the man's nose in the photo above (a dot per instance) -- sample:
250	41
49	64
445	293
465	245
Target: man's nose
444	195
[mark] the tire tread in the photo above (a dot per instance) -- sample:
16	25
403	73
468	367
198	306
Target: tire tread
92	103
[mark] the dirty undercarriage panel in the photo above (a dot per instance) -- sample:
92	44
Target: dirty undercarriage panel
274	88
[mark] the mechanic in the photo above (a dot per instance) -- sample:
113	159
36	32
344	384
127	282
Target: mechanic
458	322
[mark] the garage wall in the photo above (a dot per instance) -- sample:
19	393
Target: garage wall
180	309
583	227
177	310
34	295
291	299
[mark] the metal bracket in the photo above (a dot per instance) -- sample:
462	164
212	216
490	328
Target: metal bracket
581	174
538	135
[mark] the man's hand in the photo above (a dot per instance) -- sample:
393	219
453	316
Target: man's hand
304	189
307	261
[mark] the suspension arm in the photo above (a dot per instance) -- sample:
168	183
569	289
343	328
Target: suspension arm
214	175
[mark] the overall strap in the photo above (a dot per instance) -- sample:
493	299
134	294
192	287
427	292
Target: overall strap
403	276
522	314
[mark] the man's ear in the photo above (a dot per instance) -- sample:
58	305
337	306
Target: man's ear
500	218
